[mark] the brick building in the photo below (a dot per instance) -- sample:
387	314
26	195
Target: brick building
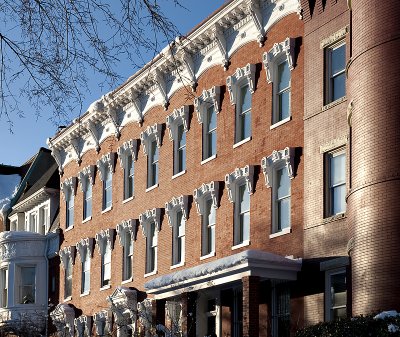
224	189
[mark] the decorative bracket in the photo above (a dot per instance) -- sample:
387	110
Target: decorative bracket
218	35
253	9
158	77
187	61
83	326
75	147
93	132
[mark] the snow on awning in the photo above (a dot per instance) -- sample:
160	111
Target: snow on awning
228	269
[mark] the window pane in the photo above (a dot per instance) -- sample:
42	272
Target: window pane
338	86
212	144
283	76
284	109
338	169
246	126
211	118
283	183
283	214
244	199
245	226
212	211
245	98
338	59
339	199
27	287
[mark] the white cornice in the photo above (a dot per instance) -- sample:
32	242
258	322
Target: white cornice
183	61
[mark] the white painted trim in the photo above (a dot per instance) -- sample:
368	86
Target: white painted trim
178	174
87	219
127	281
85	294
242	142
241	245
154	272
181	264
151	188
204	257
283	121
69	228
106	210
128	199
108	286
280	233
205	161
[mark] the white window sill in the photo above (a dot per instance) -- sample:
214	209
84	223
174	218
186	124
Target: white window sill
106	210
151	273
240	245
85	294
207	256
242	142
334	217
67	299
87	219
108	286
334	103
205	161
127	281
151	188
280	233
177	265
129	199
178	174
69	228
283	121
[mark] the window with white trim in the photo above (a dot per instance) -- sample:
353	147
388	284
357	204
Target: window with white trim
335	182
150	223
177	210
32	222
278	172
86	180
106	166
151	139
241	86
4	287
207	201
105	242
68	187
126	231
177	124
85	276
335	77
43	224
27	286
67	257
278	63
207	107
127	153
335	294
240	186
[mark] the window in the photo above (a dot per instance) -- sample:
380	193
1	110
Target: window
4	287
180	150
127	257
335	294
129	174
69	205
152	165
335	67
278	63
85	283
278	169
32	222
280	310
178	241
242	216
43	220
107	190
335	163
106	266
208	229
27	288
282	93
282	200
68	278
243	114
87	199
210	133
151	249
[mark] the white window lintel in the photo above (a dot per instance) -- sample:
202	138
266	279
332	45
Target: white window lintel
67	186
149	216
126	227
67	253
178	117
268	164
106	162
86	175
105	237
175	205
85	246
210	96
245	75
152	132
203	193
236	178
128	148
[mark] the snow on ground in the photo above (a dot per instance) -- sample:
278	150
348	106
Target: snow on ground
8	187
386	314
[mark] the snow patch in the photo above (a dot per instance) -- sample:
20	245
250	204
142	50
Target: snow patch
385	314
8	188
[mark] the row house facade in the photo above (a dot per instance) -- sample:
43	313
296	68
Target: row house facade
219	190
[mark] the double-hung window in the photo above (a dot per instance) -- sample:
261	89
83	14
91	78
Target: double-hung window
282	93
129	175
4	287
32	222
210	133
127	257
85	282
70	209
27	288
180	150
243	114
178	242
107	190
208	229
335	199
68	278
152	164
106	265
242	216
282	199
335	71
87	200
151	248
43	219
335	294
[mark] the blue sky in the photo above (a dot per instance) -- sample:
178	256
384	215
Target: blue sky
30	132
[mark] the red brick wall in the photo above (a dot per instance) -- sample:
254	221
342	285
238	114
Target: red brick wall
263	142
